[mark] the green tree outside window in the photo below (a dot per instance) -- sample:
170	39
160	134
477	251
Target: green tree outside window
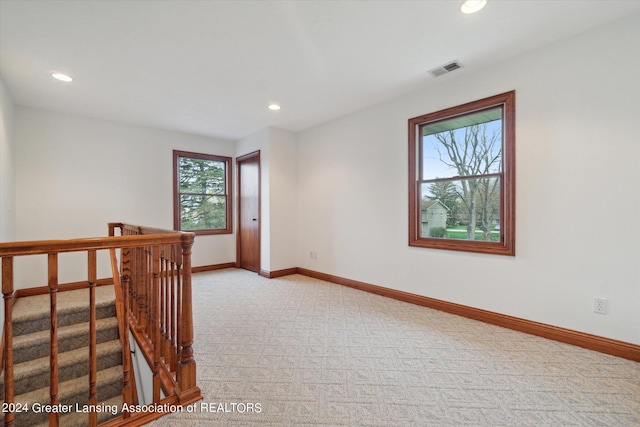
202	198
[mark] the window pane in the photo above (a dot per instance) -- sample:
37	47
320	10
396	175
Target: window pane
201	193
462	209
463	146
202	212
200	176
462	177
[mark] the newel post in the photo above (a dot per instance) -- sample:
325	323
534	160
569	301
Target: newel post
187	366
7	293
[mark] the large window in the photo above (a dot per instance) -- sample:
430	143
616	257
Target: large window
462	177
201	187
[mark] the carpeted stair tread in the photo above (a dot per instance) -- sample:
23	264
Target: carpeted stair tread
81	419
31	314
37	345
31	348
71	364
72	392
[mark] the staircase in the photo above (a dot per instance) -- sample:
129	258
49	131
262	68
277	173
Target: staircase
31	348
151	272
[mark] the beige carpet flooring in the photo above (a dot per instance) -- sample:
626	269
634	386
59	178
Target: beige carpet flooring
312	353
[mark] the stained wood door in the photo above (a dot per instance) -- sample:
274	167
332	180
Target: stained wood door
248	240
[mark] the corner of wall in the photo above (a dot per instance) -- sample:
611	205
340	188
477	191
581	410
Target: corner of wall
7	168
7	165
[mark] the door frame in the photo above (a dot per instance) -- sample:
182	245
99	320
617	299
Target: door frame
252	155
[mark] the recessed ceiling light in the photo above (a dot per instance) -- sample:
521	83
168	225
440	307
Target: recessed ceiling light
472	6
274	107
62	77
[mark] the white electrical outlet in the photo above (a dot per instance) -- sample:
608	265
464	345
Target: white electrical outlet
600	305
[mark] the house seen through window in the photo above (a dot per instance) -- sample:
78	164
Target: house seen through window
201	193
462	177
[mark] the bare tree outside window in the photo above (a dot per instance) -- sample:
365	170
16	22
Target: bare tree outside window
463	159
473	151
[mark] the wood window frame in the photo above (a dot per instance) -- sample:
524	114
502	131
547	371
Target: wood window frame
227	193
506	244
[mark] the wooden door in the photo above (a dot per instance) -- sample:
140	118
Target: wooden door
248	239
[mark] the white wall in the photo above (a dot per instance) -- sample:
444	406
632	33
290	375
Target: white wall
76	174
142	372
7	170
278	195
282	203
577	186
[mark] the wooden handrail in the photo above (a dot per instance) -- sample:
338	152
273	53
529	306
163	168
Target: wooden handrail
153	300
43	247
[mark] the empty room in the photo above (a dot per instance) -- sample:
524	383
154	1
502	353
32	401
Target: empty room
324	213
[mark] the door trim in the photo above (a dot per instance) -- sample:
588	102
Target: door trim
252	155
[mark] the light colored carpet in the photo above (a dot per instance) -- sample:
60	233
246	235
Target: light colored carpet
315	353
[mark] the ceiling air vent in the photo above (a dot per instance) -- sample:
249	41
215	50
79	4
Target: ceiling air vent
443	69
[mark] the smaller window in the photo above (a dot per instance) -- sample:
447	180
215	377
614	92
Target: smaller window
201	184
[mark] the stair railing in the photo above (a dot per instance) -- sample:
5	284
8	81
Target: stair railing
158	282
154	288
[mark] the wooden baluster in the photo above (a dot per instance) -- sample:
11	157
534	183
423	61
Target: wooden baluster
139	290
142	289
178	305
178	315
169	303
130	309
149	295
173	361
134	391
133	288
167	307
123	329
52	260
125	274
132	284
7	294
93	360
152	296
155	321
162	302
187	366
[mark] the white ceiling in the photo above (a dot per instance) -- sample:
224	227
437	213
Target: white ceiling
212	67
